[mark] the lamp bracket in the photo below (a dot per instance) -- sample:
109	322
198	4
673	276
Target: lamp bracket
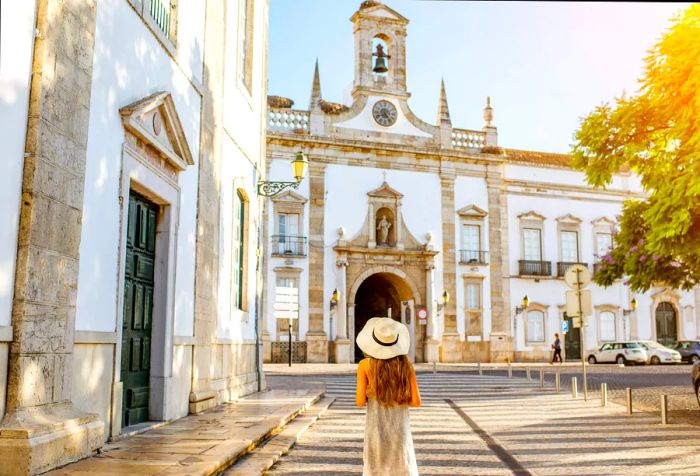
270	189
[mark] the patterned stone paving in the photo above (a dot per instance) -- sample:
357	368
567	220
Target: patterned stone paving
544	432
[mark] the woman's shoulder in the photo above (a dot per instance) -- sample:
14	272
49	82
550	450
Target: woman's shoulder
364	363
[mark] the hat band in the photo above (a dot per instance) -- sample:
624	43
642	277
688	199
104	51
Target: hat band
384	343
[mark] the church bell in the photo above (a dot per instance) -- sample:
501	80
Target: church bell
380	62
380	65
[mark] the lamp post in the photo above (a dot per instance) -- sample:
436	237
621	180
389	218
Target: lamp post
633	306
300	164
445	300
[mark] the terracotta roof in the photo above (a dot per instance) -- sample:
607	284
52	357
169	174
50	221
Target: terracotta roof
279	101
539	158
333	107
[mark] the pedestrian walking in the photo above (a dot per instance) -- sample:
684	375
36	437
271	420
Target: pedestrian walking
556	347
386	383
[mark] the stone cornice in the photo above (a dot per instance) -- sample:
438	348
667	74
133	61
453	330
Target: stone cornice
428	254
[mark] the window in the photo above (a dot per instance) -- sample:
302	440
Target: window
286	305
535	326
532	244
473	295
471	237
569	246
245	46
603	242
607	326
288	231
161	17
238	250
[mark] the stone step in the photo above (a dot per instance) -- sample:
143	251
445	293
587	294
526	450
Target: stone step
202	444
266	454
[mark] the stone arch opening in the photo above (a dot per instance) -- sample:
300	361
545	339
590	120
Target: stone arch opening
374	297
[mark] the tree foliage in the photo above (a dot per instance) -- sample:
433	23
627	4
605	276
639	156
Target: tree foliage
654	134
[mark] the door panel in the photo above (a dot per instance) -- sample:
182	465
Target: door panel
138	308
666	333
572	342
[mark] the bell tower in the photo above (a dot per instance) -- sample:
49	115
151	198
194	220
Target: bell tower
380	50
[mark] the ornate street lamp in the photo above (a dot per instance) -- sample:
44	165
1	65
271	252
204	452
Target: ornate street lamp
335	297
445	300
633	306
299	166
523	305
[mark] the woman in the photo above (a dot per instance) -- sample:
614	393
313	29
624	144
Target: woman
556	347
386	383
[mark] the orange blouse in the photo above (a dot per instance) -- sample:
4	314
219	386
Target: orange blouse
364	375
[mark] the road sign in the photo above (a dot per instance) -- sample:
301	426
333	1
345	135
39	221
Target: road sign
577	276
422	315
578	307
564	327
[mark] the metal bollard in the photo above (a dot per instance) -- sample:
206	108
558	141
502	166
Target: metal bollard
629	400
574	387
479	367
434	368
557	382
664	409
603	394
528	375
541	378
510	370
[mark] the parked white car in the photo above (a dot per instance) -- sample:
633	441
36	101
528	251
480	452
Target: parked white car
659	354
619	352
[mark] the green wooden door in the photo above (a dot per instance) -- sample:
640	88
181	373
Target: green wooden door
666	324
138	309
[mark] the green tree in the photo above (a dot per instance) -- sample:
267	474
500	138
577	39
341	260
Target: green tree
656	135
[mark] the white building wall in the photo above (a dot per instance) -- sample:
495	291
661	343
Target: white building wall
130	64
17	22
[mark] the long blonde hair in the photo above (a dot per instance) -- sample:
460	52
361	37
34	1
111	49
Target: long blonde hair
391	380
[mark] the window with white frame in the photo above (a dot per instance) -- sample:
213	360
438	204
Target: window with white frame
607	326
569	246
472	295
473	318
603	243
288	233
471	237
535	326
161	16
532	244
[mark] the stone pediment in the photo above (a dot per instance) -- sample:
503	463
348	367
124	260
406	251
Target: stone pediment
531	215
155	121
375	9
290	196
472	211
569	218
385	191
603	221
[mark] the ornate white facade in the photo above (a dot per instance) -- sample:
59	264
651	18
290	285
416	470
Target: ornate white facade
468	218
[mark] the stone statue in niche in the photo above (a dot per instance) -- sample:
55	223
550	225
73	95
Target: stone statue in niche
383	231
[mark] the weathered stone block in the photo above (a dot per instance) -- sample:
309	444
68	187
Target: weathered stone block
451	348
317	348
341	351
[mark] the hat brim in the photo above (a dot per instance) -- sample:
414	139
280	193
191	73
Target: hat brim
369	346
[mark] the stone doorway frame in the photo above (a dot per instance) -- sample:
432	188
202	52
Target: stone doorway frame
415	299
671	297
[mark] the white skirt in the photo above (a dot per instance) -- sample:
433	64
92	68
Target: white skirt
388	442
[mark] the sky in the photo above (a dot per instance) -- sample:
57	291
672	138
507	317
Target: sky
545	65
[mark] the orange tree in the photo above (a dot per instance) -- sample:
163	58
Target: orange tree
656	135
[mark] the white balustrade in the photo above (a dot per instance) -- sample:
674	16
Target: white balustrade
287	120
465	139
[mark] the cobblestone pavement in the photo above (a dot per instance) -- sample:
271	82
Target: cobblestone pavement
493	425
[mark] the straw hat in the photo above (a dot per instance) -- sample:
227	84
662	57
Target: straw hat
384	338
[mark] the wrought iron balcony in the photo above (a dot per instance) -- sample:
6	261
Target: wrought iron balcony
286	245
473	257
562	266
534	268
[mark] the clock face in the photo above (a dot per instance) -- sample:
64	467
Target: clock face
384	113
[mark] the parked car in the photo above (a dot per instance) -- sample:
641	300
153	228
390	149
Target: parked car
619	352
695	376
659	354
689	350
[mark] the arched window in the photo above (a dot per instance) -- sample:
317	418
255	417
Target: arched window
607	326
535	326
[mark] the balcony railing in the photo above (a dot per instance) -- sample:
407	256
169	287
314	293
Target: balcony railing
466	139
562	266
286	245
473	257
534	268
287	120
